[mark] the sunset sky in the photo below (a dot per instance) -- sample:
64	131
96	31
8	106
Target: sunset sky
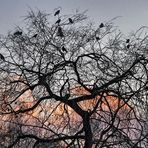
134	12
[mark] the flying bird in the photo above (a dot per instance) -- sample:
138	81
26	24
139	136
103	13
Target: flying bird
70	20
58	21
2	57
60	32
35	35
101	25
57	12
128	46
64	49
128	40
18	33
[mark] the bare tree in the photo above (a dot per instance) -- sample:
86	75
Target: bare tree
68	83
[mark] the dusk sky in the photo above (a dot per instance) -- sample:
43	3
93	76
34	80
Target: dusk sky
134	12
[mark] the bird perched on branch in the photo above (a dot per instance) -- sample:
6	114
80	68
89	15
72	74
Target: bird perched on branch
2	57
57	12
60	32
35	35
64	49
97	38
128	40
58	21
128	46
18	33
101	25
70	20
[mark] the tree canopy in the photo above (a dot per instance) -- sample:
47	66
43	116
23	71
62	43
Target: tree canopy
66	82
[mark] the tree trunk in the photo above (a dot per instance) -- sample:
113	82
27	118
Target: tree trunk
87	130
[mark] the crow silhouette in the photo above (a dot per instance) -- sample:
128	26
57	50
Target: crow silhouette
70	20
18	33
58	21
101	25
128	46
57	12
35	35
60	32
128	40
97	38
64	49
2	57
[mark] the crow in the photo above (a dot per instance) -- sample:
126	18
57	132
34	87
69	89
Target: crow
97	38
57	12
60	32
64	49
58	21
18	33
101	25
128	46
2	57
35	35
70	20
128	40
